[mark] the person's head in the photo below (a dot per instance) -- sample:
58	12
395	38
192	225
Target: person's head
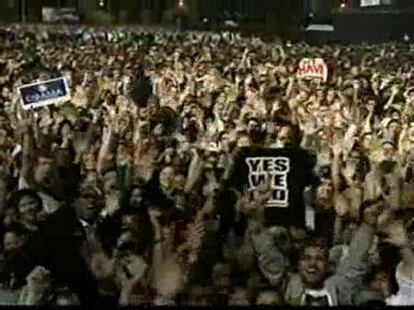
284	136
89	203
330	96
122	154
136	195
380	280
355	168
313	263
137	224
167	177
302	95
325	190
89	161
395	115
45	169
27	205
388	150
13	239
366	141
394	127
410	96
110	180
179	182
3	137
10	216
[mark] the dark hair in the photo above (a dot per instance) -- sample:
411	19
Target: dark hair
325	172
138	183
45	153
367	204
145	237
389	270
16	229
109	168
393	120
15	198
111	99
315	242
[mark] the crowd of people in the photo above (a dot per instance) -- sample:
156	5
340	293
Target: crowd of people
126	194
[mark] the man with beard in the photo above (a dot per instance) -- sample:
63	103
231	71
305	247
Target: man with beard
312	285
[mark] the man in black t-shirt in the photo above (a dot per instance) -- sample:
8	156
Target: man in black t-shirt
141	87
287	171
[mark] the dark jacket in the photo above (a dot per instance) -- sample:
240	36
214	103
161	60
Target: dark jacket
141	90
56	247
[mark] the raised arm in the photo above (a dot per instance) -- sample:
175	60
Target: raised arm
29	149
194	172
108	148
351	271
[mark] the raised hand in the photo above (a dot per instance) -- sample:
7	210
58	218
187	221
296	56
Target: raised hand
102	266
154	215
372	213
253	201
195	170
396	234
133	271
310	128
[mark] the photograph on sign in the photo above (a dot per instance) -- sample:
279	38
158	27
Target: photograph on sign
44	93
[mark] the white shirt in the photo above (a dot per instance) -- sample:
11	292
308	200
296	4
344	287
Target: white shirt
317	294
405	295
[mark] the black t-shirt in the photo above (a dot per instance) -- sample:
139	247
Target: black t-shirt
289	171
325	223
141	90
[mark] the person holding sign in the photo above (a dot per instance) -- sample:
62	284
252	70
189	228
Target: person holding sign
287	170
313	69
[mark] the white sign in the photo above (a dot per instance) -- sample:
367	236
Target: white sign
44	93
313	69
370	2
273	171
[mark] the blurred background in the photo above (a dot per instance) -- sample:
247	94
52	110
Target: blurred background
372	20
